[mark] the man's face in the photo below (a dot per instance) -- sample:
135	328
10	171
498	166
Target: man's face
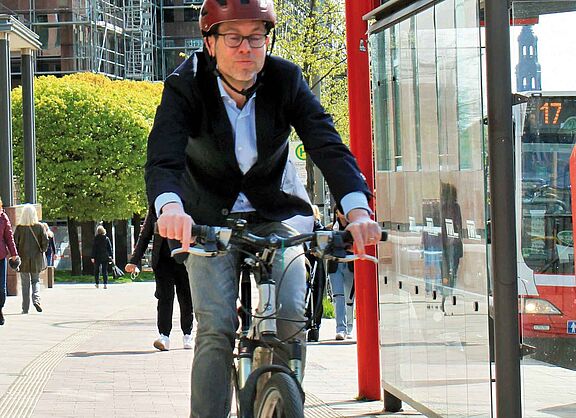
239	65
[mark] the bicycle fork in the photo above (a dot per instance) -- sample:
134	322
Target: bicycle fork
246	349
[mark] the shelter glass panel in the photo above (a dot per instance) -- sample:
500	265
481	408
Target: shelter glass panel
433	270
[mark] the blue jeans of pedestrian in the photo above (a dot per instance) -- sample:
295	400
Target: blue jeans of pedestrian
342	282
2	282
214	288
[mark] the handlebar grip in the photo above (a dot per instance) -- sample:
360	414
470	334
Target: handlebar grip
199	231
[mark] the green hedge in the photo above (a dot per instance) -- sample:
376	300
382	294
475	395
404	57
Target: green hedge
65	276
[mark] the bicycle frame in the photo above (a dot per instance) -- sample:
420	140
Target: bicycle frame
259	329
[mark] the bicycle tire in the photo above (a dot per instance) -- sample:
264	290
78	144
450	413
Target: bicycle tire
281	398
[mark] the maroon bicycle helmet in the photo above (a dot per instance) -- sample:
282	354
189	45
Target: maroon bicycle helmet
214	12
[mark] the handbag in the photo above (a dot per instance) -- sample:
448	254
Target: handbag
116	271
44	261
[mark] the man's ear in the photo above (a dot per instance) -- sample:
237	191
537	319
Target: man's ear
209	45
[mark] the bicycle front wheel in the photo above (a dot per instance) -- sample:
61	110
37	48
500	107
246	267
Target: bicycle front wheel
281	398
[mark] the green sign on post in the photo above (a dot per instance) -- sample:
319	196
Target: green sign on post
300	153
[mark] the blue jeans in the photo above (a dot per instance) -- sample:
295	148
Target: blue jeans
342	281
2	282
214	288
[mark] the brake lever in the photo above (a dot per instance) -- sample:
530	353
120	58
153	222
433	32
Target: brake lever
354	257
180	253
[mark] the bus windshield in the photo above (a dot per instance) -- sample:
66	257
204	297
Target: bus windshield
548	137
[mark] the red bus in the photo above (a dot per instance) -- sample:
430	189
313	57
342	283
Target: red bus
545	128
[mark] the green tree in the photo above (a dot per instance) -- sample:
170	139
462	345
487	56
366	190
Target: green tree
91	145
311	33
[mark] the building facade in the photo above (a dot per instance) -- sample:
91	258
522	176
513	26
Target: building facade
134	39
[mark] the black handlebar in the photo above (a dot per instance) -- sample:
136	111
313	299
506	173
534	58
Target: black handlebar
216	239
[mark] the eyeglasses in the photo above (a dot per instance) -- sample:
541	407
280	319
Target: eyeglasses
234	40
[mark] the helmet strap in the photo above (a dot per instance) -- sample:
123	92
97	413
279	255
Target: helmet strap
244	92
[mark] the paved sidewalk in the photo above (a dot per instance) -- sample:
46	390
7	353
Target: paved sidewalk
90	354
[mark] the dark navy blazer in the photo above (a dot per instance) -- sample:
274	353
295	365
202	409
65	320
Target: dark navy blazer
191	146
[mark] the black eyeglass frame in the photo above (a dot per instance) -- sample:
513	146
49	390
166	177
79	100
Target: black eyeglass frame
249	38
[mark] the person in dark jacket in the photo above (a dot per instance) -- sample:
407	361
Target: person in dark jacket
452	246
317	276
101	256
31	242
7	248
218	149
168	274
51	251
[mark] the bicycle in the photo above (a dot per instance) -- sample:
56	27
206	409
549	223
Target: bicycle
279	393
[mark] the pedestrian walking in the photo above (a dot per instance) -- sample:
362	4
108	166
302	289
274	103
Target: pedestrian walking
169	275
7	248
101	256
51	251
342	282
31	242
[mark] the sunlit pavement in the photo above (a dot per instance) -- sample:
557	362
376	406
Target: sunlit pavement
90	354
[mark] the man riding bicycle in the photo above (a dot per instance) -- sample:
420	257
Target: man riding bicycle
218	150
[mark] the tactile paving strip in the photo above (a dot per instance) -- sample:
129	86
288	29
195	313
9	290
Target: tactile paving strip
21	397
315	408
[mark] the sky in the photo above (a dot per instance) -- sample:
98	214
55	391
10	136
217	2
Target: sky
556	51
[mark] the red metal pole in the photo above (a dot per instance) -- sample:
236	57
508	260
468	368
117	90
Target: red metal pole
361	145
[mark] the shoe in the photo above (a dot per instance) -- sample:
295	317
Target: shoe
24	312
340	336
38	307
162	343
105	287
1	317
349	337
96	285
187	338
313	334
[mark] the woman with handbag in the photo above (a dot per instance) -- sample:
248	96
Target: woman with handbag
31	242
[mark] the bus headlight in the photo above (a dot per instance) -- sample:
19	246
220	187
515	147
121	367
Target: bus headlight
537	306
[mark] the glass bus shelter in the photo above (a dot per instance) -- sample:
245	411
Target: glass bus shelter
439	193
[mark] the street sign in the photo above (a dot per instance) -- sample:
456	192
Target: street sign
298	158
571	327
300	153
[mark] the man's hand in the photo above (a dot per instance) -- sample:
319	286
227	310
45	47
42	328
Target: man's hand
363	229
174	223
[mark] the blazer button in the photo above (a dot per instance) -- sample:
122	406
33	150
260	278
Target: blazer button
225	212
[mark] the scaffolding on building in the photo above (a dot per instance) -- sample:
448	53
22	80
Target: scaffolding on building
134	39
140	40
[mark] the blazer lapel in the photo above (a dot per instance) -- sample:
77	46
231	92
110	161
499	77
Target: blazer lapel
264	121
219	121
